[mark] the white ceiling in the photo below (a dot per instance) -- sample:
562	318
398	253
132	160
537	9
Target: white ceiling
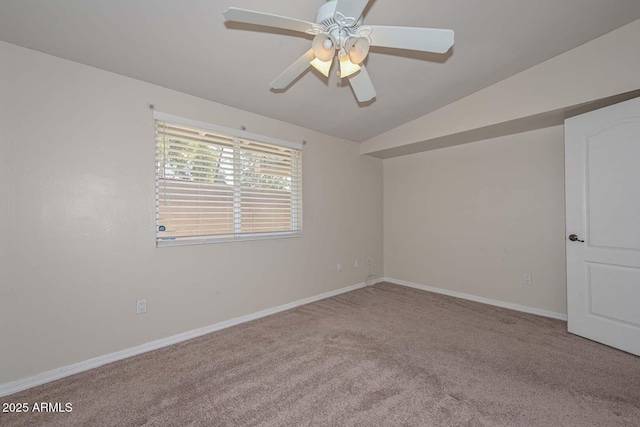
185	45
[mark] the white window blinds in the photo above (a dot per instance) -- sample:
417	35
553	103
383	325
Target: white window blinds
213	186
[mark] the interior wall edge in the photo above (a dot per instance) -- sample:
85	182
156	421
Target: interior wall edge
475	298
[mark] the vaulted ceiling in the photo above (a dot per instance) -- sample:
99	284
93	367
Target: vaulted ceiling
185	45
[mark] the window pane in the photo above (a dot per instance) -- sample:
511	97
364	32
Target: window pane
266	189
210	185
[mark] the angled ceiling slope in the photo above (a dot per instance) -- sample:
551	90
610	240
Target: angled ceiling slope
187	46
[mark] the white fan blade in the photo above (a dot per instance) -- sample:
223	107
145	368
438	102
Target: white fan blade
424	39
351	8
362	85
295	70
266	19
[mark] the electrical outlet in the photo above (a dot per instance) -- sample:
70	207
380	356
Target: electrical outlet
141	306
339	266
356	264
527	279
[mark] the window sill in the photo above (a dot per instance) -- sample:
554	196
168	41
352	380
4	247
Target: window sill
226	239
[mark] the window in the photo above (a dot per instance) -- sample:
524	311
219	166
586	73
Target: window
215	184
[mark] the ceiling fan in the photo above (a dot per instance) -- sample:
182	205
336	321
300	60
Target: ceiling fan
339	31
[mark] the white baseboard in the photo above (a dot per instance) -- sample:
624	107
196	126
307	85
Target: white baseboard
56	374
497	303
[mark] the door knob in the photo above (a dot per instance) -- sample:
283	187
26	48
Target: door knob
574	238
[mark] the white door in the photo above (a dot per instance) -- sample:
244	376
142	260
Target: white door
602	160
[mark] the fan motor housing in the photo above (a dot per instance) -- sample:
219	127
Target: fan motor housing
326	13
326	16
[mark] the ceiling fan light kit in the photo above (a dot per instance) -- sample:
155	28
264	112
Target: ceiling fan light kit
339	31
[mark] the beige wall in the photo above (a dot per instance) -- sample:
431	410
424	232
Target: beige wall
77	241
475	218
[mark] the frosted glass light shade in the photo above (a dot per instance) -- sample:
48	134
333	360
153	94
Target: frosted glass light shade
357	48
323	66
347	68
323	47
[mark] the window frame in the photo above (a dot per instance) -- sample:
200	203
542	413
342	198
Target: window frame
232	133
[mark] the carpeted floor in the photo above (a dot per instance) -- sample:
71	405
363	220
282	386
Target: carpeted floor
380	356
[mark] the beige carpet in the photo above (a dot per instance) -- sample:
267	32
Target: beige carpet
380	356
